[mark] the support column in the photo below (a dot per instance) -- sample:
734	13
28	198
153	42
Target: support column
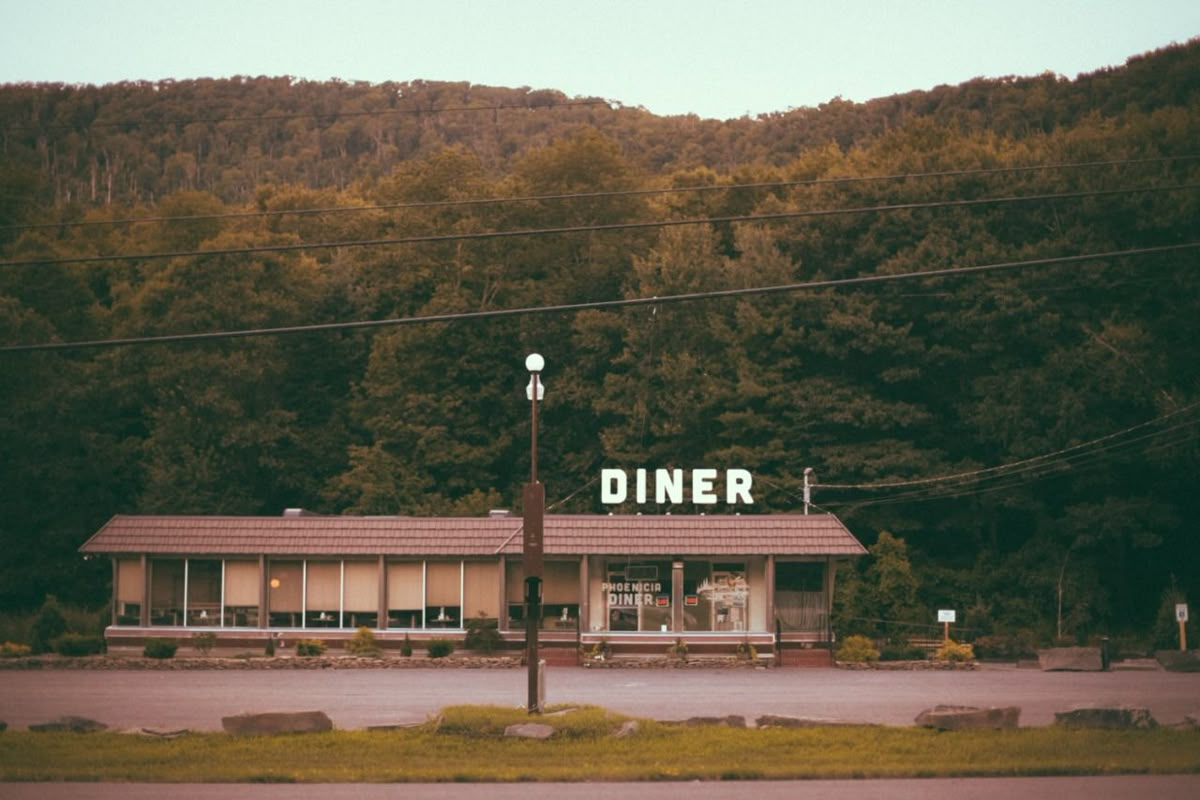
381	621
585	613
677	596
144	614
502	613
769	575
264	593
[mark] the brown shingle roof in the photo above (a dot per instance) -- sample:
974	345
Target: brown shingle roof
781	534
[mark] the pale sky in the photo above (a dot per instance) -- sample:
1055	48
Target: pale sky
707	57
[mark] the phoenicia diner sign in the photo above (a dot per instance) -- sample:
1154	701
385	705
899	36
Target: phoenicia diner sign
702	487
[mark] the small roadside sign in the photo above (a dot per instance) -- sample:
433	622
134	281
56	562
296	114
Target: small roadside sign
946	615
1182	618
1181	612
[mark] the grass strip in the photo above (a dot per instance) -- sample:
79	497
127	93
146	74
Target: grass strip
467	745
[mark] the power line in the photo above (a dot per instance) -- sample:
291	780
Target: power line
959	476
332	115
597	195
602	304
595	228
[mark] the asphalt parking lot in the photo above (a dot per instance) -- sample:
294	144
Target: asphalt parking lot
353	698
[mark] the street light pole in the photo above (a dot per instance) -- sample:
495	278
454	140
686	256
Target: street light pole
533	508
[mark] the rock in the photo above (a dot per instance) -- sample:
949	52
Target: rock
529	730
731	721
969	718
1076	659
3	726
1191	721
158	733
775	721
1179	660
628	728
277	722
1120	717
71	724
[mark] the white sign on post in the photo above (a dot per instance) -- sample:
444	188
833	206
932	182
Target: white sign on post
946	615
1181	612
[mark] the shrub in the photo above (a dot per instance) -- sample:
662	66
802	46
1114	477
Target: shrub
76	644
439	648
364	643
483	634
406	648
1007	646
310	647
678	650
954	651
13	650
857	650
599	650
203	642
159	648
269	650
902	652
747	651
49	625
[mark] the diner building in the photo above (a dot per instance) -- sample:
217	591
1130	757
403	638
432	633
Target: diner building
634	583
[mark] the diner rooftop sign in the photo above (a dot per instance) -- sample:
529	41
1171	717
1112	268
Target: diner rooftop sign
669	486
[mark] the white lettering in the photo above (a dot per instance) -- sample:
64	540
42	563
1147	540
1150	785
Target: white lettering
612	486
668	486
702	486
737	486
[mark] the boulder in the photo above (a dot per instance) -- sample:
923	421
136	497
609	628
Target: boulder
1119	717
1191	721
70	724
628	728
277	722
776	721
1076	659
969	718
3	726
731	721
1179	660
529	730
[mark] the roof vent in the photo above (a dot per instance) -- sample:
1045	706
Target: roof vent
299	512
499	513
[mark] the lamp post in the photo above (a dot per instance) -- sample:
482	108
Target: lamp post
533	508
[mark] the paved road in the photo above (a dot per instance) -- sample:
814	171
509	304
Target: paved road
359	698
1142	787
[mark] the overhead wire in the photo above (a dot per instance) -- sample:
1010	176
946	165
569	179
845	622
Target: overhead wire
591	228
484	201
860	280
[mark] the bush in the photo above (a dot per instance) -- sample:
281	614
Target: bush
76	644
439	648
310	647
269	650
747	651
203	642
678	650
13	650
49	625
954	651
857	650
902	652
364	643
406	648
159	648
483	634
1007	646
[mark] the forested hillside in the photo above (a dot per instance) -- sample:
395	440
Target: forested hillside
981	334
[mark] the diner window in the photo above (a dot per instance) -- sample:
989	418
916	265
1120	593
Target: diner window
443	594
360	594
204	592
285	588
129	591
323	594
166	592
638	596
242	582
697	605
800	602
729	593
481	590
560	595
406	594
